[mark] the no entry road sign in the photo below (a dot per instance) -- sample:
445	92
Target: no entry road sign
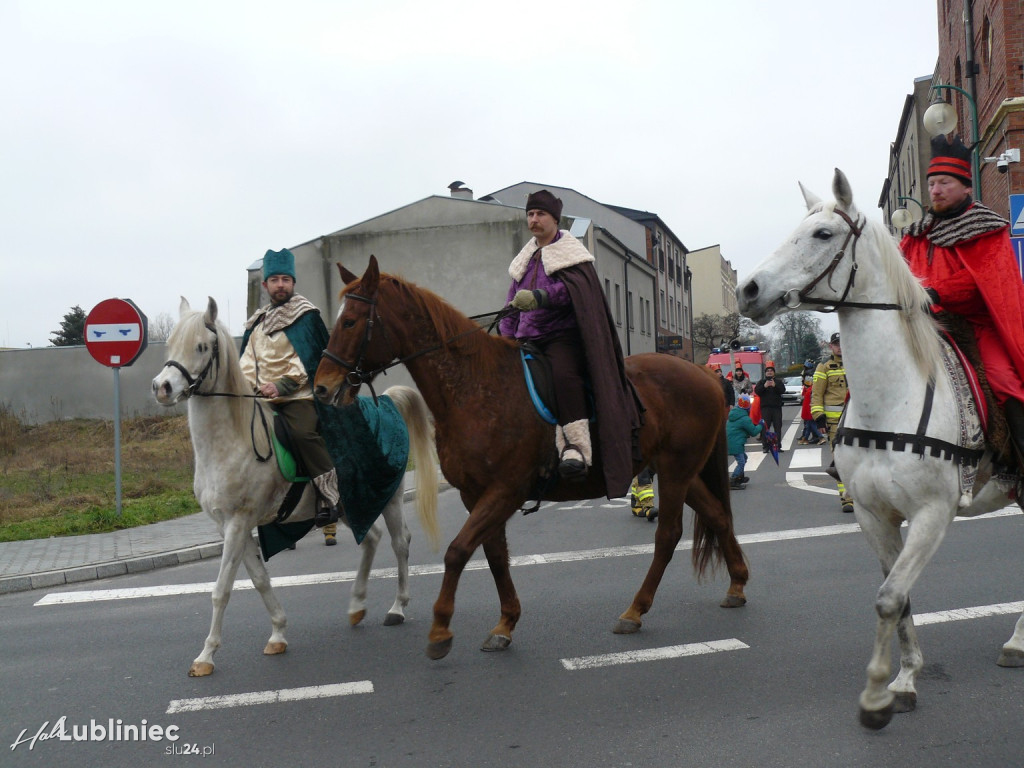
115	332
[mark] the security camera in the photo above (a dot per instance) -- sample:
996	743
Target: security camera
1002	165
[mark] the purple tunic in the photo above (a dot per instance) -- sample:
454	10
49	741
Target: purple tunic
556	317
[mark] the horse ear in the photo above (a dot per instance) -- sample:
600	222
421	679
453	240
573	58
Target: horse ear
346	276
183	307
371	277
809	197
211	311
842	191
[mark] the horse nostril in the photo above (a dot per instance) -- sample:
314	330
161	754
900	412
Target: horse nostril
750	290
319	390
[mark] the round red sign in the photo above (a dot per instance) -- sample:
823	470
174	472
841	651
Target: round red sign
115	332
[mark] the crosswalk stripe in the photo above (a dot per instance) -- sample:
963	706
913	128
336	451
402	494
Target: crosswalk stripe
652	654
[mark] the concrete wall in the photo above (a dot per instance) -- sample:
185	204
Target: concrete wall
714	282
50	383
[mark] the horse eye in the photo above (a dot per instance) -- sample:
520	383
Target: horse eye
201	348
348	323
822	234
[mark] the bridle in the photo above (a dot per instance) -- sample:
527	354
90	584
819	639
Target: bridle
356	375
213	364
794	298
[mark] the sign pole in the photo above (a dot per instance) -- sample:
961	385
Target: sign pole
117	438
116	333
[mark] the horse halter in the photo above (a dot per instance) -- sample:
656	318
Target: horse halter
794	298
195	383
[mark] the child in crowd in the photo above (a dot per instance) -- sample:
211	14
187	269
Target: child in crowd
737	429
811	435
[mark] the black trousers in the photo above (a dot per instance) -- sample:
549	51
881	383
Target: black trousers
569	367
772	420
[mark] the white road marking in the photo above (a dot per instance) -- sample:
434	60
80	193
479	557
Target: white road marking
796	480
477	564
268	697
805	457
652	654
962	614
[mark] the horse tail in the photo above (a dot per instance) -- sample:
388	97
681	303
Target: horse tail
707	549
416	416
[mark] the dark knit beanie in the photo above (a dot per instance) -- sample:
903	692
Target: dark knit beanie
543	200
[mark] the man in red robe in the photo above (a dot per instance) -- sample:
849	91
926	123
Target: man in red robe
961	252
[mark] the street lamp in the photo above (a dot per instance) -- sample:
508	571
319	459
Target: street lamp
901	218
940	119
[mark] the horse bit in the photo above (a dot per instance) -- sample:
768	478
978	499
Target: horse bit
794	298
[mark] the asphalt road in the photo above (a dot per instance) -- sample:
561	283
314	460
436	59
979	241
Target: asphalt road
781	691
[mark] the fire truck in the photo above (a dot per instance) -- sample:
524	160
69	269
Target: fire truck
751	357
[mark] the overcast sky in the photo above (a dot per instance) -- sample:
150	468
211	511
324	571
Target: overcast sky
152	150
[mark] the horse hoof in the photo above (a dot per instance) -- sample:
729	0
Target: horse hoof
439	649
876	720
733	601
905	701
626	627
496	643
273	649
200	669
1011	657
355	617
393	619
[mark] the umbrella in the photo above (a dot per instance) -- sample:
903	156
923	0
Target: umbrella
772	440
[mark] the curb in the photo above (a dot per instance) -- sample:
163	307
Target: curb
141	564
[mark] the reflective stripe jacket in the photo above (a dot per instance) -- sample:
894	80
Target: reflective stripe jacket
829	389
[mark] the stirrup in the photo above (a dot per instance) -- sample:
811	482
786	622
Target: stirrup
572	469
326	515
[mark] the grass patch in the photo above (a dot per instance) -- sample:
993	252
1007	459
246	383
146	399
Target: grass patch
57	479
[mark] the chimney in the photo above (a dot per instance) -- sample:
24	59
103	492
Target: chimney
458	189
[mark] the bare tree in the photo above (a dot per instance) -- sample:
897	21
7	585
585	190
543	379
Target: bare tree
711	331
160	327
798	337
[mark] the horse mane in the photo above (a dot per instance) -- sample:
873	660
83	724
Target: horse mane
452	326
922	329
228	369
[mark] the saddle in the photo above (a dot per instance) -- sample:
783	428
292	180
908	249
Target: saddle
957	331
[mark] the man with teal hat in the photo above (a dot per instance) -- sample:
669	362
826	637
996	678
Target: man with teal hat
281	349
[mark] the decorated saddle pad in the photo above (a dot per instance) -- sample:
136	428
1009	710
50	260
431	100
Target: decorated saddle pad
370	447
369	443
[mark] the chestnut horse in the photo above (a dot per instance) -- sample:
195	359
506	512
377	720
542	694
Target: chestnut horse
498	452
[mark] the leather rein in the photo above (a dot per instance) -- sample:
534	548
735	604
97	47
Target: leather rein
213	365
796	297
357	376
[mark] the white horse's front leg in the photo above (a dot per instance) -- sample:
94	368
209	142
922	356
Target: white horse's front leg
235	534
394	518
367	550
261	581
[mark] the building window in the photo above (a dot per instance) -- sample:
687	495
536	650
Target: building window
618	304
661	307
629	310
607	290
661	260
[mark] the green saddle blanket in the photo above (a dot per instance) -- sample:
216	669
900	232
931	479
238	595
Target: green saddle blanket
369	443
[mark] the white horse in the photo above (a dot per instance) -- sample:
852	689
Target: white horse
838	259
240	492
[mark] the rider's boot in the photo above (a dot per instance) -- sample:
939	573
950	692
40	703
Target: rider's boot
329	507
1014	410
575	454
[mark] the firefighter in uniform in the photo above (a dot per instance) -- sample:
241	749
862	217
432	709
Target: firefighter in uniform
829	393
641	495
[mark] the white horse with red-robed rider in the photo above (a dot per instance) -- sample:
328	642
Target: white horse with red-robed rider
838	259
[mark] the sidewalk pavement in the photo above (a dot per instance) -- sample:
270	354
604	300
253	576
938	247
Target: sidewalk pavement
43	563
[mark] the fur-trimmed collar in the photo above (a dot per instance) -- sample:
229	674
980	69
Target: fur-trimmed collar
976	220
276	318
564	252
